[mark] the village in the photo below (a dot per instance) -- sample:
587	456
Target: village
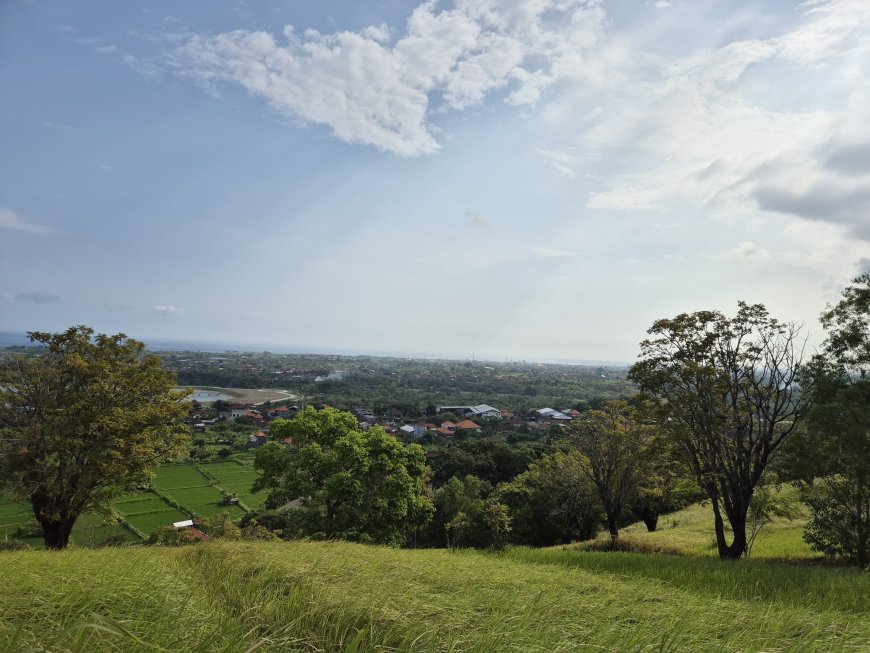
446	424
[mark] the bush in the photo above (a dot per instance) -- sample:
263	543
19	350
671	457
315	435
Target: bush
171	536
835	527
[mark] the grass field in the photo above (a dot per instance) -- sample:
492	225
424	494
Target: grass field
250	395
690	531
332	596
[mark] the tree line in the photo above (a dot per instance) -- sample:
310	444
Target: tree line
724	406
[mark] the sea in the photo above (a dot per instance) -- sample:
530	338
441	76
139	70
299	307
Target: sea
14	339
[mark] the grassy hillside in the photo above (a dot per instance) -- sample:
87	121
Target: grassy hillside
690	532
345	597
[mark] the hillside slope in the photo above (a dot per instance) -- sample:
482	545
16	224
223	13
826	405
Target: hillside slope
345	597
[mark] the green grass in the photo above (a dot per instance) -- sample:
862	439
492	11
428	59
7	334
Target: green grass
690	531
237	478
333	596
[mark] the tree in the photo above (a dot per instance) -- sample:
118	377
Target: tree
351	484
83	420
553	502
836	444
616	448
726	391
466	515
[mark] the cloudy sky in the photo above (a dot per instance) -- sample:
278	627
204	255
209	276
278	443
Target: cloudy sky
503	178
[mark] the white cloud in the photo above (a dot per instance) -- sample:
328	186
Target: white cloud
31	297
547	252
559	161
746	250
711	131
367	91
166	310
9	219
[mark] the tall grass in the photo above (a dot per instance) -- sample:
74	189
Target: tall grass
331	596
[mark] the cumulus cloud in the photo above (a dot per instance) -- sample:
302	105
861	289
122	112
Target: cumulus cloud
166	310
709	130
371	90
9	219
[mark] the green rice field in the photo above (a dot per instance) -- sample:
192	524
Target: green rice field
237	478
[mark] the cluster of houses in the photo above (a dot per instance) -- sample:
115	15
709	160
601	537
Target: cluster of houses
392	422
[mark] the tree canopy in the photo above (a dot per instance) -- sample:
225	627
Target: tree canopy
726	390
342	482
617	451
836	447
82	420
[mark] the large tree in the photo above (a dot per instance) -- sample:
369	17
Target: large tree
617	450
83	419
725	389
344	482
836	443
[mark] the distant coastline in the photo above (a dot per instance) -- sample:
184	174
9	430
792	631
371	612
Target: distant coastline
13	339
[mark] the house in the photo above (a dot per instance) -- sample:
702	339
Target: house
448	425
550	414
457	410
467	425
238	410
481	410
484	410
257	439
408	430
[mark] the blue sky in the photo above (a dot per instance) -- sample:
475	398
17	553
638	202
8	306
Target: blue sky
509	178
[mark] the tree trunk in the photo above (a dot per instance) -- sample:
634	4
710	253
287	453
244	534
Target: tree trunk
651	521
56	533
737	521
57	524
612	526
738	545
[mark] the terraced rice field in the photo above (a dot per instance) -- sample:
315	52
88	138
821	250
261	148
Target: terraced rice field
147	512
188	487
90	529
237	479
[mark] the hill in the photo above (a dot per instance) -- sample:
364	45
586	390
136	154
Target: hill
332	596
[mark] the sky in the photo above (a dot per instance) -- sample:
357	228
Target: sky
492	178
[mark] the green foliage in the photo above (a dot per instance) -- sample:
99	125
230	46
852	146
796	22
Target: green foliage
840	517
169	536
83	421
553	502
350	484
617	452
467	516
221	525
725	390
837	440
490	459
